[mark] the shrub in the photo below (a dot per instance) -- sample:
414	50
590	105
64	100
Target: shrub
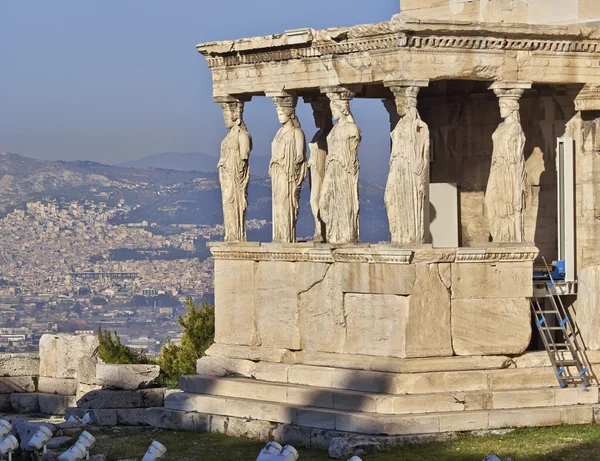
175	360
112	351
198	334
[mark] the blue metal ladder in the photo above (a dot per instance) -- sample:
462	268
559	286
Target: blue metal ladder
567	353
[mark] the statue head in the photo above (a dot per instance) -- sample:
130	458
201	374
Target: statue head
232	114
285	114
406	99
508	107
340	109
286	106
322	113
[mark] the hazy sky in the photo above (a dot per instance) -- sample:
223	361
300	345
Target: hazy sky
116	80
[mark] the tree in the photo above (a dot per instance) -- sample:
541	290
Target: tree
198	334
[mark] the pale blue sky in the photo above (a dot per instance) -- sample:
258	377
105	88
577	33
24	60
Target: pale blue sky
115	80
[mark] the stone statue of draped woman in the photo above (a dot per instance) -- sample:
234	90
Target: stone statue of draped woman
234	172
339	205
505	193
408	180
287	170
316	162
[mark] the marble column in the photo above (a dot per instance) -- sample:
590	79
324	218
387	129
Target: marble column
338	204
234	172
318	156
287	168
406	192
507	183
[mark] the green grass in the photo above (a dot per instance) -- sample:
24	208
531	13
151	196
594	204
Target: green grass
561	443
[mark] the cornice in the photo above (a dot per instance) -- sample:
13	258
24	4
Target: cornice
391	36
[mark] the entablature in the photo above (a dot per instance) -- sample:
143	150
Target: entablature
401	48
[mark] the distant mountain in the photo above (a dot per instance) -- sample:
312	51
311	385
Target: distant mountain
164	196
194	161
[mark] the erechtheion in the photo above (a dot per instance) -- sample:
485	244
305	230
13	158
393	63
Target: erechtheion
494	110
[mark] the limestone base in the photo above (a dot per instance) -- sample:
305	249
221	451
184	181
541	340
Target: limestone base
374	300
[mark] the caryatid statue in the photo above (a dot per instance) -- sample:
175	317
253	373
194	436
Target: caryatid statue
316	162
234	172
338	204
408	181
287	168
505	193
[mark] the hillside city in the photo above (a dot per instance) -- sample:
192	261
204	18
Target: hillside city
67	267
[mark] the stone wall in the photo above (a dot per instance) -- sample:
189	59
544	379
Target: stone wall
49	381
461	125
508	11
374	300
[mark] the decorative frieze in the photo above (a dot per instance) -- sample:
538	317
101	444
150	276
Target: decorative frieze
496	254
386	254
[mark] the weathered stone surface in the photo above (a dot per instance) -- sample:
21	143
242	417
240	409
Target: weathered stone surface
174	420
222	366
57	442
483	280
53	404
109	399
552	12
129	377
83	389
428	331
588	302
276	305
98	417
234	312
376	324
61	386
131	417
254	429
22	364
491	326
5	404
68	356
251	353
322	325
9	385
25	403
396	279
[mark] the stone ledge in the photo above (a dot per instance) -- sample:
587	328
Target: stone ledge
371	253
339	399
382	382
367	423
373	363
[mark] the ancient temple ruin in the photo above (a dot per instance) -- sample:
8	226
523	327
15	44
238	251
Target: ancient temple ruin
432	331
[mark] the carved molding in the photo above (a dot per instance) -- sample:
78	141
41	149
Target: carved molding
375	254
500	254
444	40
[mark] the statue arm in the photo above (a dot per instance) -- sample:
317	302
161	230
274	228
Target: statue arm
300	159
245	146
300	146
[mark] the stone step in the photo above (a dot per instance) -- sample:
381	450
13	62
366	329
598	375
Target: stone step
370	402
380	382
370	423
